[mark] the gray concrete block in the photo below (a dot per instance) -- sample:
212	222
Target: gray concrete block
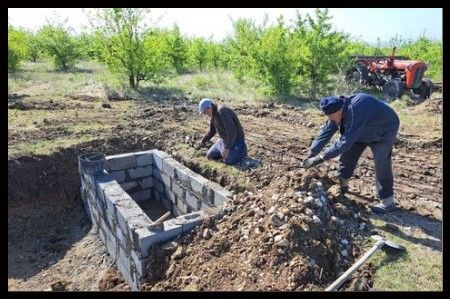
122	161
110	219
102	234
102	223
141	195
108	187
208	193
197	183
123	265
111	245
169	165
166	181
158	186
169	195
126	211
168	204
157	195
95	213
139	262
129	185
87	180
189	221
142	239
176	212
118	175
221	195
157	236
179	191
156	174
140	172
183	174
112	200
120	237
140	221
193	201
182	206
205	206
144	159
146	183
158	157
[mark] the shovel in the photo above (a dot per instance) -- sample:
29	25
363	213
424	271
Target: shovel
381	243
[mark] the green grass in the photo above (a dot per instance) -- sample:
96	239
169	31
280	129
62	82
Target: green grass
419	269
214	84
89	126
47	147
40	79
417	121
208	165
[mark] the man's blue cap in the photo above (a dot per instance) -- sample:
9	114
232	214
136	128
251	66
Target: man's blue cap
330	105
204	104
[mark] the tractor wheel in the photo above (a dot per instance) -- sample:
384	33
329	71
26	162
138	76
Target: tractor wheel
393	89
424	90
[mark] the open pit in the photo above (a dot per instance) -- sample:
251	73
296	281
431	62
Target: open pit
137	200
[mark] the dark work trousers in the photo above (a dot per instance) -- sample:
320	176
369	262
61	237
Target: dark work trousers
382	151
237	152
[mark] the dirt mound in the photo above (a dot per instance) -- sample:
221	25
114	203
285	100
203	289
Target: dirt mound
295	240
112	280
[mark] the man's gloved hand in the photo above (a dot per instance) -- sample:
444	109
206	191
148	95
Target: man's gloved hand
310	162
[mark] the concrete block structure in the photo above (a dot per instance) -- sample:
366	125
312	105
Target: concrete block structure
125	194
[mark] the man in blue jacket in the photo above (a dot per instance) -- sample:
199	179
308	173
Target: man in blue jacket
231	146
363	121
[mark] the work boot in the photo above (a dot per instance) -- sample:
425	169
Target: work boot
343	185
385	206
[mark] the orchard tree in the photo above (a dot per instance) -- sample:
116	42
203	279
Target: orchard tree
120	34
34	46
198	50
17	48
59	45
178	50
322	52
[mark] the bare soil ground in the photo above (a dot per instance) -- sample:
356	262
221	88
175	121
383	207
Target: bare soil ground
268	241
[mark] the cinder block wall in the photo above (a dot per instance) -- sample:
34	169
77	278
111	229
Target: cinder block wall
110	202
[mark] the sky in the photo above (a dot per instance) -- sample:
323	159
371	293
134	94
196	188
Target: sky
367	24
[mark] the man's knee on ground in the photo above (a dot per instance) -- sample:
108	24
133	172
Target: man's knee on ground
212	155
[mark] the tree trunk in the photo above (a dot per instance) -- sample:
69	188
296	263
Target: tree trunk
132	82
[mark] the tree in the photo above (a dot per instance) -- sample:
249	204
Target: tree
273	60
178	50
34	46
60	45
17	48
214	54
323	52
121	33
198	50
242	46
89	48
157	53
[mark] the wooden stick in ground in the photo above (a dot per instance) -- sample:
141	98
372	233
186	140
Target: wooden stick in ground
159	221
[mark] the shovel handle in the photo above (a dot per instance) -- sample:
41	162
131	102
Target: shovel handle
337	283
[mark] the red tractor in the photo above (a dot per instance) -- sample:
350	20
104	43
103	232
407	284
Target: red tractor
393	74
